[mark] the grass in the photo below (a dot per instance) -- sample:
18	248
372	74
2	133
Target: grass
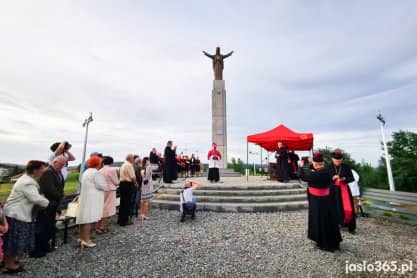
70	188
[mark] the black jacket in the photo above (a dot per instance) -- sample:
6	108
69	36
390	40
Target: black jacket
52	186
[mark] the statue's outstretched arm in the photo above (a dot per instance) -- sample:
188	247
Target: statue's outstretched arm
228	54
208	55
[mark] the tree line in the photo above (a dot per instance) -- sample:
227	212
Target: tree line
403	151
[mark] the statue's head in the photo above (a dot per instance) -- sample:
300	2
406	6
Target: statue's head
218	50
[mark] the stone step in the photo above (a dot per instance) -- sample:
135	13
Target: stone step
234	207
225	173
231	175
237	199
204	192
220	186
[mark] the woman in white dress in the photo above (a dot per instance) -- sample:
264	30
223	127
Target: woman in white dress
91	200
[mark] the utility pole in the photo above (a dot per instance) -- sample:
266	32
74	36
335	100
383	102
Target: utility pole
387	158
82	167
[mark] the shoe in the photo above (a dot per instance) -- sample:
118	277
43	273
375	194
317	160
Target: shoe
326	249
193	216
182	219
88	244
13	271
51	249
100	231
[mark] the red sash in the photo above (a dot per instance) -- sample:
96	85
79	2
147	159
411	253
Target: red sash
294	167
347	206
318	192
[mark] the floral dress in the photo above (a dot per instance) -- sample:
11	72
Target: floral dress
147	185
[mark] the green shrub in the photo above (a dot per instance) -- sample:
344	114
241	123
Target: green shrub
405	216
388	213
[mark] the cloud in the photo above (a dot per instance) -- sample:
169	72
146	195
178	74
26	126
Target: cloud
321	67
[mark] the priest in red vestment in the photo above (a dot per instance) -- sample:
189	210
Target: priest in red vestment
214	157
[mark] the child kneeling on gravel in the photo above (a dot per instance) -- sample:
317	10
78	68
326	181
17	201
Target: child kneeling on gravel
188	203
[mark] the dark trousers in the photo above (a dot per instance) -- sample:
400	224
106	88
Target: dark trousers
126	197
188	209
213	174
44	229
136	201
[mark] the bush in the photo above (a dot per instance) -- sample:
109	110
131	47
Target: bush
388	213
372	177
237	166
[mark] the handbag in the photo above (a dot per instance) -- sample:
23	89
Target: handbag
146	180
188	206
72	209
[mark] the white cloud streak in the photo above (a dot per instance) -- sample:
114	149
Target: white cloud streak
137	65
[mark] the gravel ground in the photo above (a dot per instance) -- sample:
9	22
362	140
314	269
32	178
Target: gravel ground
227	245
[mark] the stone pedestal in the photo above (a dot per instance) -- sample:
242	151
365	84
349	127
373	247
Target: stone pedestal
219	124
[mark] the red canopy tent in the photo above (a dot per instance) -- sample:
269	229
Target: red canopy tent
269	139
293	140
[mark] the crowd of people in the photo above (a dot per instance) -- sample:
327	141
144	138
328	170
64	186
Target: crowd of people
178	166
287	163
333	193
331	203
28	218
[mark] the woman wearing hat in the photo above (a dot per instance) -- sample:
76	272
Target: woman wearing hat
322	224
341	176
91	200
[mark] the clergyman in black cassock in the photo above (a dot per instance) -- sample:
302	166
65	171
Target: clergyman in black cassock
342	175
170	163
293	159
322	222
282	162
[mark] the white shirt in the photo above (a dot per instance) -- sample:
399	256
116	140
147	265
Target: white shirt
354	185
214	163
187	196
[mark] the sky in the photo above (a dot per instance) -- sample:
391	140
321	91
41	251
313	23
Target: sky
325	67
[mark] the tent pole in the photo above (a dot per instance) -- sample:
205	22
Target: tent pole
247	160
262	169
267	166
